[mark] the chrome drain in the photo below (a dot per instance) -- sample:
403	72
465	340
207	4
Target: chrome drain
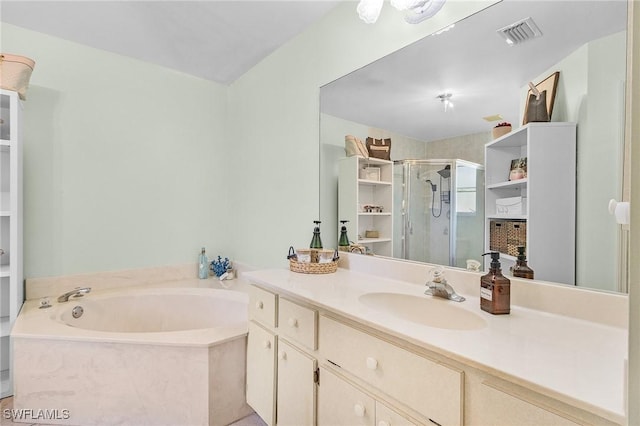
77	311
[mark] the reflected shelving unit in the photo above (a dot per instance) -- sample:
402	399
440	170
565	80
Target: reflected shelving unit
546	220
11	274
367	182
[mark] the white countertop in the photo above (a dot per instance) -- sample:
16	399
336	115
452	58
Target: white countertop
579	361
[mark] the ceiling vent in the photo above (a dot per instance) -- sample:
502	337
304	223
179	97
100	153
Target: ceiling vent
520	32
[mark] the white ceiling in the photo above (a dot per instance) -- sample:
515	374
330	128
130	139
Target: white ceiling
215	40
471	61
221	40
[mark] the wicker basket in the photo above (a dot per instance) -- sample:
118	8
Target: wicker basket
15	72
498	236
516	236
313	268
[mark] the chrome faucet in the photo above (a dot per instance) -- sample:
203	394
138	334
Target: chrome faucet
77	292
439	287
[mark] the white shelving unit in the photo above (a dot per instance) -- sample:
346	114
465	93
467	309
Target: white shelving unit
548	191
354	193
11	274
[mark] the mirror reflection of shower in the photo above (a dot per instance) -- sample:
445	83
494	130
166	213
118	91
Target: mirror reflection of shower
445	195
425	189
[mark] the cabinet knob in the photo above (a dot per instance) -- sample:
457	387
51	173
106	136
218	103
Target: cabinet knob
383	423
259	305
266	344
372	363
293	322
359	410
282	355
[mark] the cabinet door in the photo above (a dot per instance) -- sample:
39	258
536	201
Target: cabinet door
296	400
261	370
339	403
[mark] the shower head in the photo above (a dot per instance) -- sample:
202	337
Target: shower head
446	172
434	187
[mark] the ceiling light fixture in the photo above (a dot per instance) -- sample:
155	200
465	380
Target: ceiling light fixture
416	10
445	98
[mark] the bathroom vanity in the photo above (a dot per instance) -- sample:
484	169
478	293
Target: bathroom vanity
356	348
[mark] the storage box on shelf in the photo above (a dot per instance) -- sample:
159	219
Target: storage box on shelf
365	199
11	286
537	210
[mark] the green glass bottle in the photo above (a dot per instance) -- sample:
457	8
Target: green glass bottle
316	241
343	242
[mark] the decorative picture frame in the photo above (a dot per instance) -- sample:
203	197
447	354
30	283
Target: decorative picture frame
550	84
518	169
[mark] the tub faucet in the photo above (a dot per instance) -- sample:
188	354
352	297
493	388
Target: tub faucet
439	287
77	292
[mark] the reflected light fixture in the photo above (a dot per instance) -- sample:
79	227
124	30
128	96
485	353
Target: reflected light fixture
416	10
445	98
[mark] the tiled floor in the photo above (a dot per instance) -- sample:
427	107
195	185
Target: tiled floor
7	404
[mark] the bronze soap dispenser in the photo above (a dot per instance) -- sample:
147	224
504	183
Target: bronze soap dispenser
495	288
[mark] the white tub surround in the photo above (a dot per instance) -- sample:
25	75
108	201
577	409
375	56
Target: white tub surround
143	356
567	364
185	275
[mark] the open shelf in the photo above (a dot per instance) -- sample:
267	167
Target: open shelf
373	182
5	326
509	184
5	384
4	271
373	240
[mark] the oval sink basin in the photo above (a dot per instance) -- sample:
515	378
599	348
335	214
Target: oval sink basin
425	310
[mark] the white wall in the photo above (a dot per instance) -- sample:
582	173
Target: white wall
591	93
274	111
124	160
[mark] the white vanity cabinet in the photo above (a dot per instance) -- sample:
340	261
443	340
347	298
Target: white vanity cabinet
281	368
261	372
296	386
11	275
340	403
366	182
425	386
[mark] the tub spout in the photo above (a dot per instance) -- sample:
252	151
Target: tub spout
77	292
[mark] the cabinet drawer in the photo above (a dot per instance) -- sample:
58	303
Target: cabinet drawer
262	306
297	323
500	407
430	388
339	403
385	416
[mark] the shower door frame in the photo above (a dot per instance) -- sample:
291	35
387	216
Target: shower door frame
453	197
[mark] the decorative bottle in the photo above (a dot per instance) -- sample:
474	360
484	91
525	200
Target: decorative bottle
495	288
316	241
521	269
203	265
343	242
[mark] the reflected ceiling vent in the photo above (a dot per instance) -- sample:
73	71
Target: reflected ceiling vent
520	32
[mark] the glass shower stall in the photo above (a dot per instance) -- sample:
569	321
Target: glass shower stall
441	205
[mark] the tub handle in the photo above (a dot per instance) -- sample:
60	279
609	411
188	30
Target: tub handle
293	322
259	305
266	344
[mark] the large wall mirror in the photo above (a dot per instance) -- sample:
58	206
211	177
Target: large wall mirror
436	210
